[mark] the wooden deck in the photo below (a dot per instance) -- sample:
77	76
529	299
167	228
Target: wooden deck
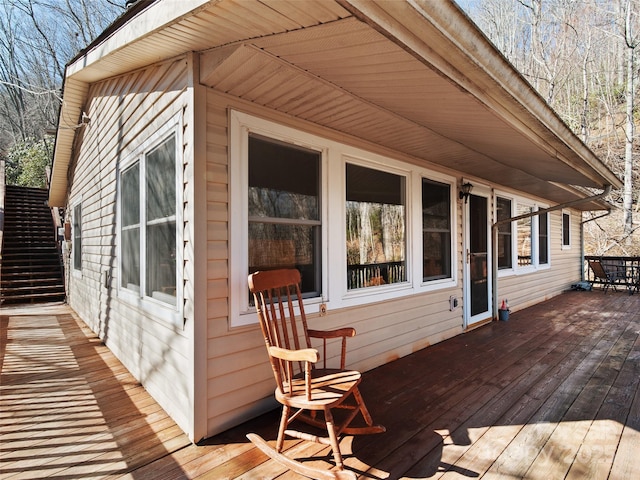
552	393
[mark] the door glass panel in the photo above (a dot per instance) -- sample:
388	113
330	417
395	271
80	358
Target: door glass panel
478	255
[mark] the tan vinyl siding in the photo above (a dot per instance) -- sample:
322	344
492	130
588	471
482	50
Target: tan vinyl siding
124	112
238	378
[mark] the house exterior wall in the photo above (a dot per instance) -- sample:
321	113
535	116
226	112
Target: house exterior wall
229	373
239	380
152	340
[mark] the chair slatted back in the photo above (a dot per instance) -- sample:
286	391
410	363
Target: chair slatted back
278	298
598	269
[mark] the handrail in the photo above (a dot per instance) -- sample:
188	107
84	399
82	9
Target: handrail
2	207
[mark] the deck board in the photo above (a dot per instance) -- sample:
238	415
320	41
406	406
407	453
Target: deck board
552	393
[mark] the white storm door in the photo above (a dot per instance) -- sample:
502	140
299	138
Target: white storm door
477	268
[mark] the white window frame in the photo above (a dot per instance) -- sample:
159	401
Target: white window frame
77	272
161	310
334	156
534	237
539	265
535	265
368	291
567	245
241	125
440	283
514	234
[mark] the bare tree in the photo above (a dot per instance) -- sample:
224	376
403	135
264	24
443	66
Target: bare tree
631	42
37	39
581	57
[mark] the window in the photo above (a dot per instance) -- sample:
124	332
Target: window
148	223
505	235
284	210
523	245
543	239
375	226
77	237
525	236
343	216
436	230
566	230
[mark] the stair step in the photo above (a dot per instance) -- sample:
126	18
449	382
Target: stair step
34	244
22	281
13	265
32	298
29	251
31	276
33	222
30	259
28	243
51	278
32	289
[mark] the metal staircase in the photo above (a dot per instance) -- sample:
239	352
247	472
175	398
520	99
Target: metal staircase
30	262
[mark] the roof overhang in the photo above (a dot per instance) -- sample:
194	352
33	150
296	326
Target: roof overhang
413	76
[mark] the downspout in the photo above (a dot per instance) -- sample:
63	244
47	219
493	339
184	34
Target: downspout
582	238
494	237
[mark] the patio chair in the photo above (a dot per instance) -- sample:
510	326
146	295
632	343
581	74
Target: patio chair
610	274
307	393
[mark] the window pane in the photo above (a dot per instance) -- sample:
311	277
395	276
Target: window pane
543	243
274	246
161	181
131	259
130	209
161	262
566	228
505	257
375	211
130	196
77	237
283	181
524	236
436	230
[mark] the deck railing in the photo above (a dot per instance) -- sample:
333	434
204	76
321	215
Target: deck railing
629	265
360	276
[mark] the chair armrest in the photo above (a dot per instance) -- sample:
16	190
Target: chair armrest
303	355
340	332
328	334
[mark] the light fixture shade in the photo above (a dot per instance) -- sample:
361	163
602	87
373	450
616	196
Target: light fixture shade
465	190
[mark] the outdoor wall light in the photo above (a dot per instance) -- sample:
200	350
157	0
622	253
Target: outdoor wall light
465	190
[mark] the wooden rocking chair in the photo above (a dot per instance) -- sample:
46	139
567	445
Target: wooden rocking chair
306	393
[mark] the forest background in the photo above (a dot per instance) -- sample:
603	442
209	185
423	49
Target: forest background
580	55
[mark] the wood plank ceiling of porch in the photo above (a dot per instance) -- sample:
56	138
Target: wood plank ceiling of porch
321	63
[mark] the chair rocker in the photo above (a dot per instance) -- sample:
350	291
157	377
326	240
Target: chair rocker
324	398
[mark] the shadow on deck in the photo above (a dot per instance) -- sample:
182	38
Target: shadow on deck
552	393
